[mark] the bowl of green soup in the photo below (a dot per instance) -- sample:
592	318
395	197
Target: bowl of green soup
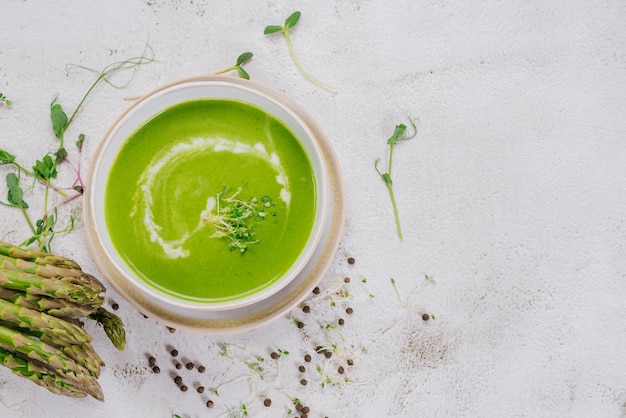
214	204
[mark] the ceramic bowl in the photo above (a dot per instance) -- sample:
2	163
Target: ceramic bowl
305	271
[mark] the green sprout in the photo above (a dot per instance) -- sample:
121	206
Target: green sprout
3	99
400	133
290	22
45	169
241	59
234	219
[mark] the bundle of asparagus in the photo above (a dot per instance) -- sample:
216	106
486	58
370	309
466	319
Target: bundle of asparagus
43	297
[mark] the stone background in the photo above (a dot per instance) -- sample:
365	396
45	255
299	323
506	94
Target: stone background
511	196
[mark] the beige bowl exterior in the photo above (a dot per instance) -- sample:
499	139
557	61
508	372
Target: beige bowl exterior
255	314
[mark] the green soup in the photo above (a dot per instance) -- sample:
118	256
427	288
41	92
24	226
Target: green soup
169	174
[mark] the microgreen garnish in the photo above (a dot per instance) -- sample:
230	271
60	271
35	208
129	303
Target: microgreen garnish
241	59
234	218
406	302
3	99
45	169
290	22
400	133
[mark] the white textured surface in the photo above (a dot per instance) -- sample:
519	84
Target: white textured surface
512	196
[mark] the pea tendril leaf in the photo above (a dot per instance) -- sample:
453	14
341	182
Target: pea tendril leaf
400	133
45	170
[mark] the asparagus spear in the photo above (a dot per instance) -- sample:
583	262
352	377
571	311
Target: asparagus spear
83	354
60	308
36	256
30	283
113	326
52	358
54	328
49	271
40	375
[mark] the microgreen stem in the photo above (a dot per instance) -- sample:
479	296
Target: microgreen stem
131	63
28	220
290	22
305	73
400	134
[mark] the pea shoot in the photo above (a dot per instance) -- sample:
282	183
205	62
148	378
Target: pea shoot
234	218
45	170
290	22
400	133
241	59
3	99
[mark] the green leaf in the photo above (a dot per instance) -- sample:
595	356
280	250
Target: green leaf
291	21
272	29
79	143
398	134
15	195
386	178
6	158
244	57
45	169
59	119
61	154
243	73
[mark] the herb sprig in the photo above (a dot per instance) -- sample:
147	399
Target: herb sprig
241	59
234	218
290	22
45	169
400	133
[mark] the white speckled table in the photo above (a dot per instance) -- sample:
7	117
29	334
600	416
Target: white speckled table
511	197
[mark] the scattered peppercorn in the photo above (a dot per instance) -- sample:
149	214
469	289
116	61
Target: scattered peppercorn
189	366
267	402
351	260
115	306
178	366
178	380
183	388
346	280
306	410
307	358
349	311
303	382
151	361
303	415
209	404
174	353
299	407
300	324
341	321
306	309
201	369
425	317
328	354
350	362
172	330
302	369
340	370
316	291
274	355
200	389
319	349
156	369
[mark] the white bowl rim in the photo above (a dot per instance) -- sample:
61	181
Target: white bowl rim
298	116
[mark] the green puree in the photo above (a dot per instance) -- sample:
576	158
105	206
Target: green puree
169	168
